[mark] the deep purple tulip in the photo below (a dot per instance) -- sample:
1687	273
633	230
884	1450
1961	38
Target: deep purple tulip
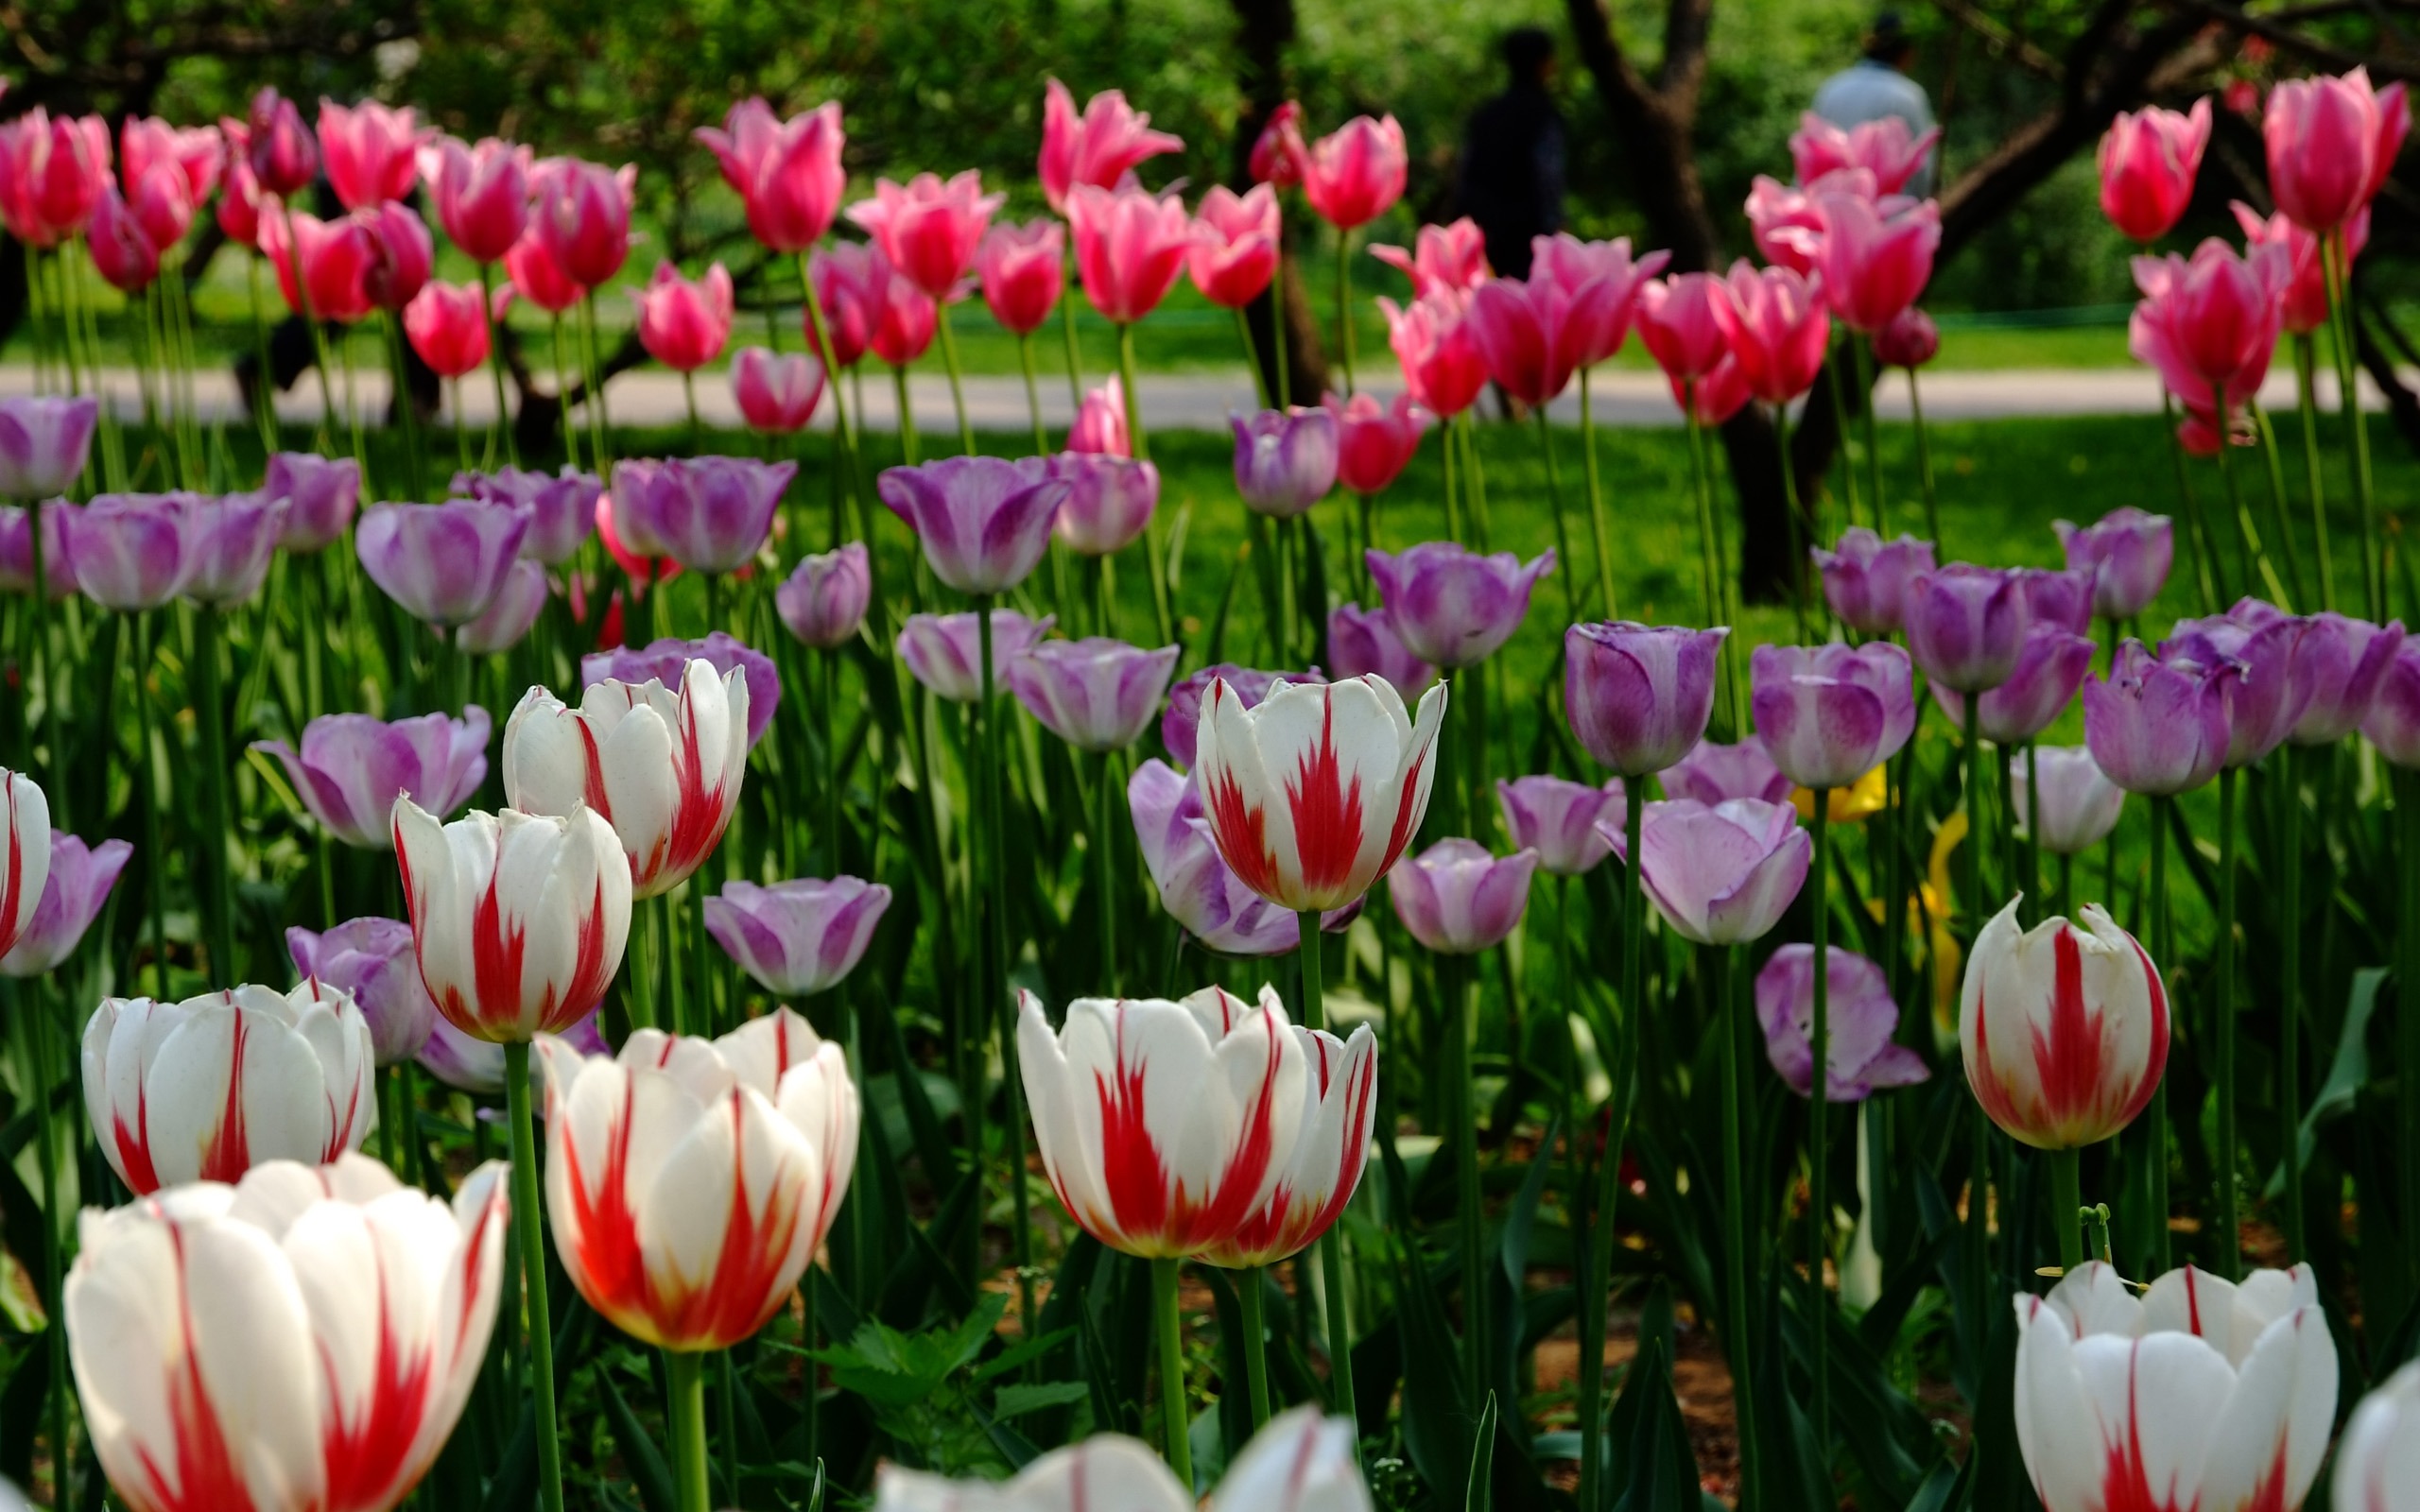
944	652
824	601
984	523
1097	694
44	442
1286	459
351	768
2339	664
1457	899
508	616
1724	874
2051	663
1184	717
1110	501
477	1066
1363	642
796	938
1559	819
2270	698
1966	624
373	959
2393	724
321	493
1712	773
1860	1018
2080	804
443	562
134	551
710	514
2128	552
1450	604
1639	696
562	506
1865	578
664	660
235	535
2159	726
80	882
17	550
2057	597
1828	715
1198	888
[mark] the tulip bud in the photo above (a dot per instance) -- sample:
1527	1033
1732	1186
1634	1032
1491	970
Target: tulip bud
1725	874
684	322
448	327
1781	332
2332	144
1354	174
1910	341
321	494
789	172
2148	163
1457	899
824	601
1022	269
1830	713
1234	254
2080	804
1452	605
945	651
2064	1027
1454	257
1865	579
1375	444
44	442
583	218
2052	662
482	195
1437	347
1130	247
234	537
283	155
1286	460
135	551
1559	819
1966	624
1099	427
796	938
1638	697
1097	693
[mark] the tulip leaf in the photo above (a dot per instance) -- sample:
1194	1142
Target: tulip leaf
1475	1494
649	1475
2347	1072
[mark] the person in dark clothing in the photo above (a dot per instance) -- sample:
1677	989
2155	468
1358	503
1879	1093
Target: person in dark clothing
1512	157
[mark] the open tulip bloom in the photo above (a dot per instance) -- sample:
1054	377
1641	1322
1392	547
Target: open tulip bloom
1299	1462
1861	1059
25	854
353	768
1723	875
1195	885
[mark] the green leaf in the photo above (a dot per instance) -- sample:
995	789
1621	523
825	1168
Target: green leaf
2347	1072
649	1474
1475	1495
1017	1399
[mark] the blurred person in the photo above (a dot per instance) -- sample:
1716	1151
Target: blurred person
1512	157
1876	87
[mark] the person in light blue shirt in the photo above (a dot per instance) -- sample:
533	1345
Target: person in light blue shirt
1877	86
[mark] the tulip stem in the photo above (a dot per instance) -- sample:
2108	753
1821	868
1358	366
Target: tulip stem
1447	433
1819	1212
992	951
1797	525
1562	532
2255	555
500	426
957	384
2066	1207
1344	305
1169	1325
1736	1345
2196	542
1104	841
1840	421
562	399
2277	519
2164	949
217	909
39	1019
526	1218
1924	459
2223	1159
1978	1200
1340	1324
909	451
1137	441
1860	355
1033	395
1070	283
2306	360
461	436
1249	1285
689	399
2407	967
1596	501
1454	995
592	358
1252	356
685	1408
146	782
1598	1267
264	384
2337	263
2289	1007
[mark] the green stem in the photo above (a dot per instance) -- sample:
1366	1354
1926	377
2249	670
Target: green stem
1252	356
1923	459
957	384
2337	263
2163	950
1104	839
684	1410
218	909
1860	354
1067	333
2407	966
1798	563
1169	1325
1033	395
1819	1215
1141	443
1454	991
55	1245
319	342
2067	1205
1979	1206
1562	532
526	1218
600	423
147	777
500	427
1737	1333
264	385
1840	420
909	451
689	400
1344	305
2306	361
1249	1286
2289	1007
1279	327
2277	520
2197	543
1339	1321
2256	556
2222	1161
563	397
1596	501
992	952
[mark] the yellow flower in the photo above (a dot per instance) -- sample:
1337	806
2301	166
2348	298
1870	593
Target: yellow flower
1868	796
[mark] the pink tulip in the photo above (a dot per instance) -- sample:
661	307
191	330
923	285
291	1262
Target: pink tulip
198	153
1235	248
448	327
1354	174
583	216
334	257
239	210
1787	228
684	322
2210	326
372	152
1782	331
2331	142
1525	330
929	229
2198	432
1374	442
1602	284
777	392
1277	153
850	280
1687	321
1448	257
123	251
402	255
905	321
1099	148
1885	147
1910	341
538	276
284	156
1101	423
1022	271
2148	163
1131	245
1110	501
1876	257
52	170
787	172
2305	306
1717	396
162	199
482	194
1444	368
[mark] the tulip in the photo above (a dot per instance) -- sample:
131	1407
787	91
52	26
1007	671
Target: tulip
1865	578
1715	398
1689	324
1558	818
206	1088
1828	715
854	286
2128	552
710	514
1722	875
1526	333
1277	153
1109	141
2080	804
2053	597
320	495
334	257
1362	642
52	172
239	211
1454	257
1234	254
401	256
162	199
1097	693
282	153
305	1338
2148	163
123	252
2080	1020
444	563
1859	1058
1452	605
984	523
1781	331
1639	696
2159	725
537	277
668	660
1286	460
1131	246
2393	724
371	961
169	172
2201	1393
2052	662
1877	258
510	614
685	323
1884	147
796	938
482	194
2332	143
1910	341
2209	326
1022	269
26	846
2305	308
1340	1108
582	217
1180	728
1110	501
1354	174
352	768
1444	368
824	600
1099	428
2377	1462
134	551
44	443
477	1066
1198	889
1713	773
929	229
1298	1463
70	894
2268	698
1457	899
562	506
1966	624
448	327
17	550
234	536
1374	442
942	650
372	152
1785	222
2339	668
787	172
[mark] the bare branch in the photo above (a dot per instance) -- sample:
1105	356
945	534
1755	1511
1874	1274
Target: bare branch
2028	56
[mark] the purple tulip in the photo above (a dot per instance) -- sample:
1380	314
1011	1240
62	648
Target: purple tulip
2393	724
234	536
2271	697
945	651
1559	819
1184	717
984	523
630	520
2128	552
321	493
2061	598
1284	459
1860	1018
1828	715
134	551
1363	642
562	506
1097	694
2080	804
44	443
477	1066
372	958
1865	578
506	620
824	602
1966	624
1639	696
80	882
796	938
1199	890
443	562
1452	605
709	513
1724	874
351	768
17	550
2339	664
2159	726
664	660
1108	501
1713	773
2051	663
1459	899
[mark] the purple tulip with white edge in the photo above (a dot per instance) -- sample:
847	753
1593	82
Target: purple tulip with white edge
133	552
1196	886
1865	578
2338	666
1450	604
796	938
1110	501
2051	666
1249	685
1966	624
17	549
1723	875
351	768
2393	724
234	536
44	443
1828	715
562	506
710	514
1565	822
321	494
1860	1020
1458	899
824	600
2265	644
2080	804
1713	773
2129	554
662	661
944	652
79	883
1097	694
2159	726
1286	459
444	563
373	959
2056	596
506	620
1639	696
983	522
1363	642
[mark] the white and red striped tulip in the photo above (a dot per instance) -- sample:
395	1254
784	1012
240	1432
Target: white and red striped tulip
303	1341
2200	1395
662	765
1300	1462
209	1088
2064	1028
1167	1128
1339	1104
518	920
25	853
2377	1465
691	1181
1314	792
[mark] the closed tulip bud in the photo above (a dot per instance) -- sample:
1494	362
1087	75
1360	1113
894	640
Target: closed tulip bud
1022	269
283	155
1181	726
684	323
2159	725
1437	348
1887	148
944	651
1199	890
236	534
1234	254
207	1088
1878	258
1713	773
134	551
787	172
1828	715
1910	341
2200	1393
2149	160
1688	322
1723	875
444	563
1966	624
2209	326
124	252
371	961
2268	698
305	1338
1099	427
583	216
1860	1058
372	152
984	523
691	1181
448	327
1277	153
239	211
1601	282
666	659
1099	147
1637	696
2052	662
402	256
562	506
1374	442
2332	144
796	938
2080	804
1109	504
44	442
26	850
2128	552
1286	460
929	229
509	615
2337	668
2064	1027
1454	257
1526	334
1097	693
1559	819
537	277
1339	1107
1356	172
824	601
1452	605
1130	247
1457	899
2377	1463
321	494
1362	642
1781	332
17	550
1865	578
710	514
482	194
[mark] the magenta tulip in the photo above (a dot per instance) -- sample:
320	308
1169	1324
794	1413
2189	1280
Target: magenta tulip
1601	285
1286	459
1099	147
1966	624
1878	258
53	170
372	152
2051	663
684	322
776	392
283	155
1452	258
2332	143
1687	321
1234	253
1571	825
1437	347
1130	247
787	173
1639	696
582	217
537	277
2305	307
1020	268
77	883
2159	725
1865	578
1713	773
1374	442
1859	1057
1457	900
852	281
1277	153
1097	693
1723	875
331	260
929	229
1785	222
482	194
1356	172
1780	332
2149	160
1884	147
945	651
983	522
1910	341
123	253
352	768
2209	326
447	324
444	563
1110	501
401	256
824	601
1452	605
1524	332
1099	428
1363	642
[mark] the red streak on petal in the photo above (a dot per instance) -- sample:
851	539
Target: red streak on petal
499	942
1146	1208
229	1154
205	1475
12	881
134	1145
1326	812
1400	835
1242	833
368	1458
